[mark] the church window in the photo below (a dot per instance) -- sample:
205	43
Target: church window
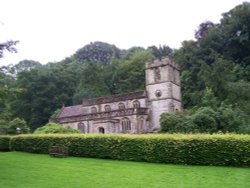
157	74
107	108
141	122
126	125
171	107
121	106
136	104
81	127
93	109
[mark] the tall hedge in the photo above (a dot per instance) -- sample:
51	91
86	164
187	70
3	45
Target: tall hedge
223	150
5	143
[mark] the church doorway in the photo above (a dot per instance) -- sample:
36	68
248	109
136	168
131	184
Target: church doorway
101	130
81	127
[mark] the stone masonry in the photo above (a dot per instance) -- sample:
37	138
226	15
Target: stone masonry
137	112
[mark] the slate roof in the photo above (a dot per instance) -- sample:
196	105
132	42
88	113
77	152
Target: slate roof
72	111
115	98
79	110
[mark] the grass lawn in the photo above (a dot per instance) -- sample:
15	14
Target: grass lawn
27	170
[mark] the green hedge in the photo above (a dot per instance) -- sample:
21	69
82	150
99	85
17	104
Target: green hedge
5	143
199	149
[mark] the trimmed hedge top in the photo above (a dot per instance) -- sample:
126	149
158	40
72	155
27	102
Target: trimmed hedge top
193	149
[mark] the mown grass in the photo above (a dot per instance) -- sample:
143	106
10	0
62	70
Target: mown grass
26	170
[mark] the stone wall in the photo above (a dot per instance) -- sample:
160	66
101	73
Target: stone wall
163	89
162	94
139	124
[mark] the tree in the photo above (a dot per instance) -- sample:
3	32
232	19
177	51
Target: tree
235	26
205	119
127	54
209	99
218	59
25	65
44	90
177	122
130	74
50	128
202	29
91	83
229	119
162	51
17	126
97	52
8	46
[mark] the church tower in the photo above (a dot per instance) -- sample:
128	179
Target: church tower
163	89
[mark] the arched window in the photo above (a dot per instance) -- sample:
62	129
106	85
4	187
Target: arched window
126	125
121	106
107	108
157	74
101	130
136	104
93	109
81	127
171	107
141	123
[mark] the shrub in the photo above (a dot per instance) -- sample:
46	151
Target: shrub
177	122
55	128
205	118
4	143
3	127
17	123
226	150
230	120
245	129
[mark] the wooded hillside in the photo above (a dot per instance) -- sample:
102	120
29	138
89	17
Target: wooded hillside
215	70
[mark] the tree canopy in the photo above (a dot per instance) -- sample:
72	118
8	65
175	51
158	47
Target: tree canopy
219	59
215	76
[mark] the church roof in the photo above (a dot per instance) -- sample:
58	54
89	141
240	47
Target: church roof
72	111
79	110
115	98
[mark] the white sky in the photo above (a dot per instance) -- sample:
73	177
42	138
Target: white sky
50	30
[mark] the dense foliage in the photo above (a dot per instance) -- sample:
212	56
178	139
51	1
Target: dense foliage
5	143
210	116
55	128
206	120
8	46
218	59
44	89
97	52
16	126
226	150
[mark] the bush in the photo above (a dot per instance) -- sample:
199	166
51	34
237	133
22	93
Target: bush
5	143
16	124
226	150
205	118
230	120
177	122
55	128
245	129
3	127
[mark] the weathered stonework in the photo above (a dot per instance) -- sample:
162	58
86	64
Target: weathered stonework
137	112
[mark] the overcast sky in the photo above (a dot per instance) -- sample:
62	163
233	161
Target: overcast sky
50	30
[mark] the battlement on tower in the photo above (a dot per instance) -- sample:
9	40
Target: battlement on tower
163	62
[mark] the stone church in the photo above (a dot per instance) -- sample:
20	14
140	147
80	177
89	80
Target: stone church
136	112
